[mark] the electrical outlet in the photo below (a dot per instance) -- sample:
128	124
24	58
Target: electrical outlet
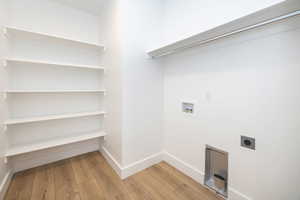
248	142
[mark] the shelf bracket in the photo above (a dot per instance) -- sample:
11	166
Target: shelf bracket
4	95
4	31
4	63
4	127
5	160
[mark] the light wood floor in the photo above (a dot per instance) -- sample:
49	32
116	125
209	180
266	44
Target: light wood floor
89	177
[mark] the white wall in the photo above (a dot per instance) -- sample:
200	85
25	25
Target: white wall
142	81
3	140
54	18
137	134
184	19
244	85
110	30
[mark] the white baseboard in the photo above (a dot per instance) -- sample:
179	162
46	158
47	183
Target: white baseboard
39	158
198	175
141	165
133	168
185	168
236	195
4	184
111	161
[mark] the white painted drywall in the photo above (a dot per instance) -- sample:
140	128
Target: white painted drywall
110	28
53	18
94	7
142	81
4	169
184	19
134	119
247	84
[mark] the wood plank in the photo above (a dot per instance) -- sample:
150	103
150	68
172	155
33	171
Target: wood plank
146	187
43	184
66	187
21	186
189	182
88	186
157	186
136	191
107	179
179	188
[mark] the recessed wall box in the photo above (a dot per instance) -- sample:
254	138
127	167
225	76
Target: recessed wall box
188	107
216	170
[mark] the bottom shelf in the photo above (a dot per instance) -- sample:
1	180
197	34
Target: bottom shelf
53	143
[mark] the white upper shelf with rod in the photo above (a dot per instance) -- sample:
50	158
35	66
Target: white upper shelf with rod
13	29
286	9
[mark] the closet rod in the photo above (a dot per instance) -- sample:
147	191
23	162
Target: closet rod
156	53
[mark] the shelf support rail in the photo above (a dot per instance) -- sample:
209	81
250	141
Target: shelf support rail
5	160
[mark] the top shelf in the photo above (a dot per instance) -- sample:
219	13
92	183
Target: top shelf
42	62
16	29
278	12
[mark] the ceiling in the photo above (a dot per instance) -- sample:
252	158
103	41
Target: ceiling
91	6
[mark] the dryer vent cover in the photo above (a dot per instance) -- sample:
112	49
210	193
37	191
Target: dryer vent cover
216	170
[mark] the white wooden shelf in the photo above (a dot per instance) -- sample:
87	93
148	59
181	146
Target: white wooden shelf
22	30
13	151
54	63
263	17
52	117
53	91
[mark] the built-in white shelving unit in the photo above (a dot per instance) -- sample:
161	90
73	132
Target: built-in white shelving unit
40	62
64	74
263	17
8	29
17	150
52	117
